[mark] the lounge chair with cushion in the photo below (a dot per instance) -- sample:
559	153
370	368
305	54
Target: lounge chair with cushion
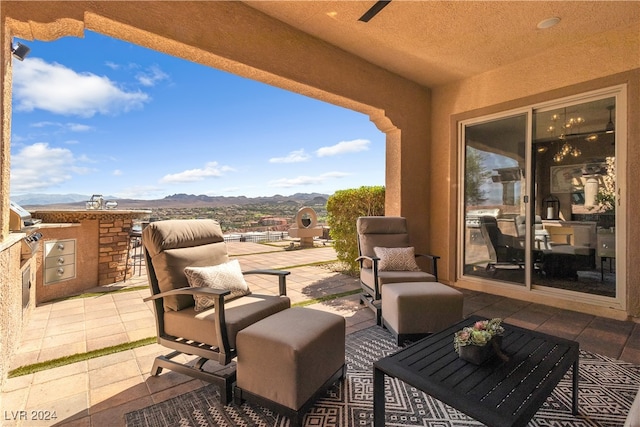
386	256
504	250
201	298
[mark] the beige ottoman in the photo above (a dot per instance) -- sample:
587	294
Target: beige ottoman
287	360
412	310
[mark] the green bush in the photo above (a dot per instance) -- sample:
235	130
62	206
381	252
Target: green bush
343	209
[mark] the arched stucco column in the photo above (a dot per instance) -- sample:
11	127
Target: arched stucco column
393	174
5	119
393	181
230	36
26	30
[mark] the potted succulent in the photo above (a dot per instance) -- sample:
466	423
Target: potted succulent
480	342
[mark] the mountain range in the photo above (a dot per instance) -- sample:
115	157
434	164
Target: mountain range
77	201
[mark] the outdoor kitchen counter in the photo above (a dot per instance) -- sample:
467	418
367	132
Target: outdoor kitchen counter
82	249
77	215
10	240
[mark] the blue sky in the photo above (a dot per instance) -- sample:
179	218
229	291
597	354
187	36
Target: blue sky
97	115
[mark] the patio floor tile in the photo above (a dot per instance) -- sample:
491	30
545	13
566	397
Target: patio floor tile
100	391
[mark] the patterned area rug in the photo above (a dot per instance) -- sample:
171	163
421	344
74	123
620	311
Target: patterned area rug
607	390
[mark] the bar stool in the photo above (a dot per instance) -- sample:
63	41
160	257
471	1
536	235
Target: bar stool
135	256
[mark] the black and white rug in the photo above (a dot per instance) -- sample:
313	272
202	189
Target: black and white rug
607	390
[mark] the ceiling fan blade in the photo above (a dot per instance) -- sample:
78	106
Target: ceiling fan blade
377	7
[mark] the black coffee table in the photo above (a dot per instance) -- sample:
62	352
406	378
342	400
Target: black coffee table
496	393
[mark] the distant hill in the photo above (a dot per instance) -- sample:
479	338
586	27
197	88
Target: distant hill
47	199
69	201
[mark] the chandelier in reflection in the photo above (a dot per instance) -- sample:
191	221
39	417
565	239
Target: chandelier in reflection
569	126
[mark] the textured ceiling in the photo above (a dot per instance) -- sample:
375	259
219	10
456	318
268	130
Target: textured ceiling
437	42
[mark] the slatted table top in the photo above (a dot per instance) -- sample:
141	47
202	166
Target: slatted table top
496	393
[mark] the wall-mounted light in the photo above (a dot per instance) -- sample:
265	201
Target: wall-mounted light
20	51
610	126
548	23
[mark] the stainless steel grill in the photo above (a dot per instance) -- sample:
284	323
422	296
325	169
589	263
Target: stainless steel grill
20	221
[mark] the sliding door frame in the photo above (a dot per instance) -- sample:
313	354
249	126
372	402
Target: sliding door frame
619	92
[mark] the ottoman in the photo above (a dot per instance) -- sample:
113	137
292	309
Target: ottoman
287	360
412	310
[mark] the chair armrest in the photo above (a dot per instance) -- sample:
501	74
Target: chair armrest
282	278
374	266
374	260
434	263
225	353
190	291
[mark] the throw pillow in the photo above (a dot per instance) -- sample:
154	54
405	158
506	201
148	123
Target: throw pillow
226	276
396	259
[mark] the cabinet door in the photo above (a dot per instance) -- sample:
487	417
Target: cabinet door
56	274
60	247
60	260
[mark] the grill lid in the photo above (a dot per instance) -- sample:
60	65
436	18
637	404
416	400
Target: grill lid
20	218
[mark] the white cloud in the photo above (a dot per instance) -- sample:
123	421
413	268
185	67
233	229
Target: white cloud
293	157
52	87
306	180
152	76
44	124
73	127
38	167
78	127
344	147
211	169
116	172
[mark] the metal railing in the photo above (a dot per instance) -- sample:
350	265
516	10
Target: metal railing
257	237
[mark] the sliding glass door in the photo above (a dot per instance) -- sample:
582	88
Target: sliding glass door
574	153
494	181
540	197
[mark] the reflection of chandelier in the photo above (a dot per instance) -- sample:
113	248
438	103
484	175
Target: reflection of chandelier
566	129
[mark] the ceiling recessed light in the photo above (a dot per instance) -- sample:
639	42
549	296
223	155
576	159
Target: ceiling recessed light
548	23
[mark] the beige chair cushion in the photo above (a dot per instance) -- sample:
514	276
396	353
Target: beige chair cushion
381	231
226	276
417	308
633	419
239	313
396	259
287	357
366	276
174	245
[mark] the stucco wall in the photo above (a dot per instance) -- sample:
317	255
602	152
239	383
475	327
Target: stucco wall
85	237
102	244
419	174
593	64
233	37
12	316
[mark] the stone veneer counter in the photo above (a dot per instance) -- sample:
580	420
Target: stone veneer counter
101	241
77	215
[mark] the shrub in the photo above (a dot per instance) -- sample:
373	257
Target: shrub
343	209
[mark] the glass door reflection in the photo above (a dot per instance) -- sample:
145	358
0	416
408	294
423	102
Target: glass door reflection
574	166
494	181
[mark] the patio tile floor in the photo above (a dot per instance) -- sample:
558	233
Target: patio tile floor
98	392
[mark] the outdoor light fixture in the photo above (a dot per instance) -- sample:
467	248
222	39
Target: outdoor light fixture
548	23
20	51
566	130
610	126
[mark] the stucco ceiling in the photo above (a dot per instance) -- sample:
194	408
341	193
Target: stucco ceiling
437	42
